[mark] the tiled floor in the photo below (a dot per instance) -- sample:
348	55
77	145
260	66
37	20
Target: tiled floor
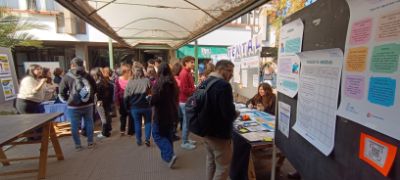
117	158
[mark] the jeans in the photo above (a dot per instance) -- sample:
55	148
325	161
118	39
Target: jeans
137	115
75	116
219	156
185	124
165	144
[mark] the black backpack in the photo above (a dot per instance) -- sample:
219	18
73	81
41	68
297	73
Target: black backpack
81	90
196	108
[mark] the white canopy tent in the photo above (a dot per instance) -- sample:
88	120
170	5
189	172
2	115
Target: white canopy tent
161	24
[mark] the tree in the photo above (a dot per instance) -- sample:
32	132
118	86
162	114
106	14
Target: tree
13	30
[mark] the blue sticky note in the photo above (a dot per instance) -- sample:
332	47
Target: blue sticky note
382	91
293	45
290	85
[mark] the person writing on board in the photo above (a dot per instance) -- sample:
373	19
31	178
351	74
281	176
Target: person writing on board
264	100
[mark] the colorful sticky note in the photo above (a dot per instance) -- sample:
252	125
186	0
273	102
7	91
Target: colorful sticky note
382	91
377	153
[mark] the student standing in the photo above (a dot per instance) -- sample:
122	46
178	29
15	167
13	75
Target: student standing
120	85
31	91
136	98
186	89
165	103
77	89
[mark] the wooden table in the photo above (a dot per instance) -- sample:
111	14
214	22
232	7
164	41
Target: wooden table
14	127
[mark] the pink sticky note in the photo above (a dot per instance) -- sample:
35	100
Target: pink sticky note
354	86
361	32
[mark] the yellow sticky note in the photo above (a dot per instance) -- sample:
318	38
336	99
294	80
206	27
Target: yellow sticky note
243	130
268	139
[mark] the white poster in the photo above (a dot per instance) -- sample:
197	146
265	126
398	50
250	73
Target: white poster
371	75
290	43
318	97
255	80
244	77
4	66
8	88
236	73
284	118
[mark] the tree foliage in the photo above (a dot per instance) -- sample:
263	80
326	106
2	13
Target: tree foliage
13	30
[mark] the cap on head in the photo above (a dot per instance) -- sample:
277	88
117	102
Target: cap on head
77	62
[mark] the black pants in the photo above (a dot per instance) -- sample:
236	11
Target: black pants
105	117
123	115
28	107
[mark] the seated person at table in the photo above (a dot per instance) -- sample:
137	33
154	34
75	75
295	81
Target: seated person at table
264	100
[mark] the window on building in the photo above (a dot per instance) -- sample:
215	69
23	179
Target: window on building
60	23
32	5
80	26
50	5
13	4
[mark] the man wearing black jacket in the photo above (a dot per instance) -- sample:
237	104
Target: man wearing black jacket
221	113
79	100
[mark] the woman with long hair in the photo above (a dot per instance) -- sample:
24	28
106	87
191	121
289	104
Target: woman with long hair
103	100
31	91
50	88
120	85
136	98
264	100
165	99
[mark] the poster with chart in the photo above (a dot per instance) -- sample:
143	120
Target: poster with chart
4	66
371	76
290	43
8	88
318	97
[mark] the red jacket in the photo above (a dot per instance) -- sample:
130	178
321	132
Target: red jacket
186	85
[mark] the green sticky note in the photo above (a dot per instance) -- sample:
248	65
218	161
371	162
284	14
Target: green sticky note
385	58
268	139
243	130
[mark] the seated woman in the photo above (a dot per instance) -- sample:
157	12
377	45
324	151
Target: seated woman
264	100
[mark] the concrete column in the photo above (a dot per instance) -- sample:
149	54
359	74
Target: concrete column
81	51
111	53
172	57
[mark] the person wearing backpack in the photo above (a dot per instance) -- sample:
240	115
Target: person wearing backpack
214	119
77	89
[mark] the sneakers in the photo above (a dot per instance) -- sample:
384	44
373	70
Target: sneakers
91	145
78	148
172	162
101	136
147	142
192	142
188	146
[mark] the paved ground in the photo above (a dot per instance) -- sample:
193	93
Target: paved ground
120	158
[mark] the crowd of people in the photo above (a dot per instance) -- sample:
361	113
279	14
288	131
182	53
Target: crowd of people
155	94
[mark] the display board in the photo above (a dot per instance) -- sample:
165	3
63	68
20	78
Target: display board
325	27
8	77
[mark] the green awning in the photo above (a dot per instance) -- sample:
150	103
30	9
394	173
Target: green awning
204	52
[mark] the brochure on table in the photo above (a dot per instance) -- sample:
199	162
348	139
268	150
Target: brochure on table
371	74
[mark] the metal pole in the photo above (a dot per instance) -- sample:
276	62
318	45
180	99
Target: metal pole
196	63
273	168
110	53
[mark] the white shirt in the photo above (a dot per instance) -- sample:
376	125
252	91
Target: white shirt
27	90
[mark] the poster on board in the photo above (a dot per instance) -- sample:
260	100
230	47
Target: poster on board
8	88
290	43
318	97
371	75
5	69
284	118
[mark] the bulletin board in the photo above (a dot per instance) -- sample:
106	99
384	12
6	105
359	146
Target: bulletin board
325	26
8	77
246	76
